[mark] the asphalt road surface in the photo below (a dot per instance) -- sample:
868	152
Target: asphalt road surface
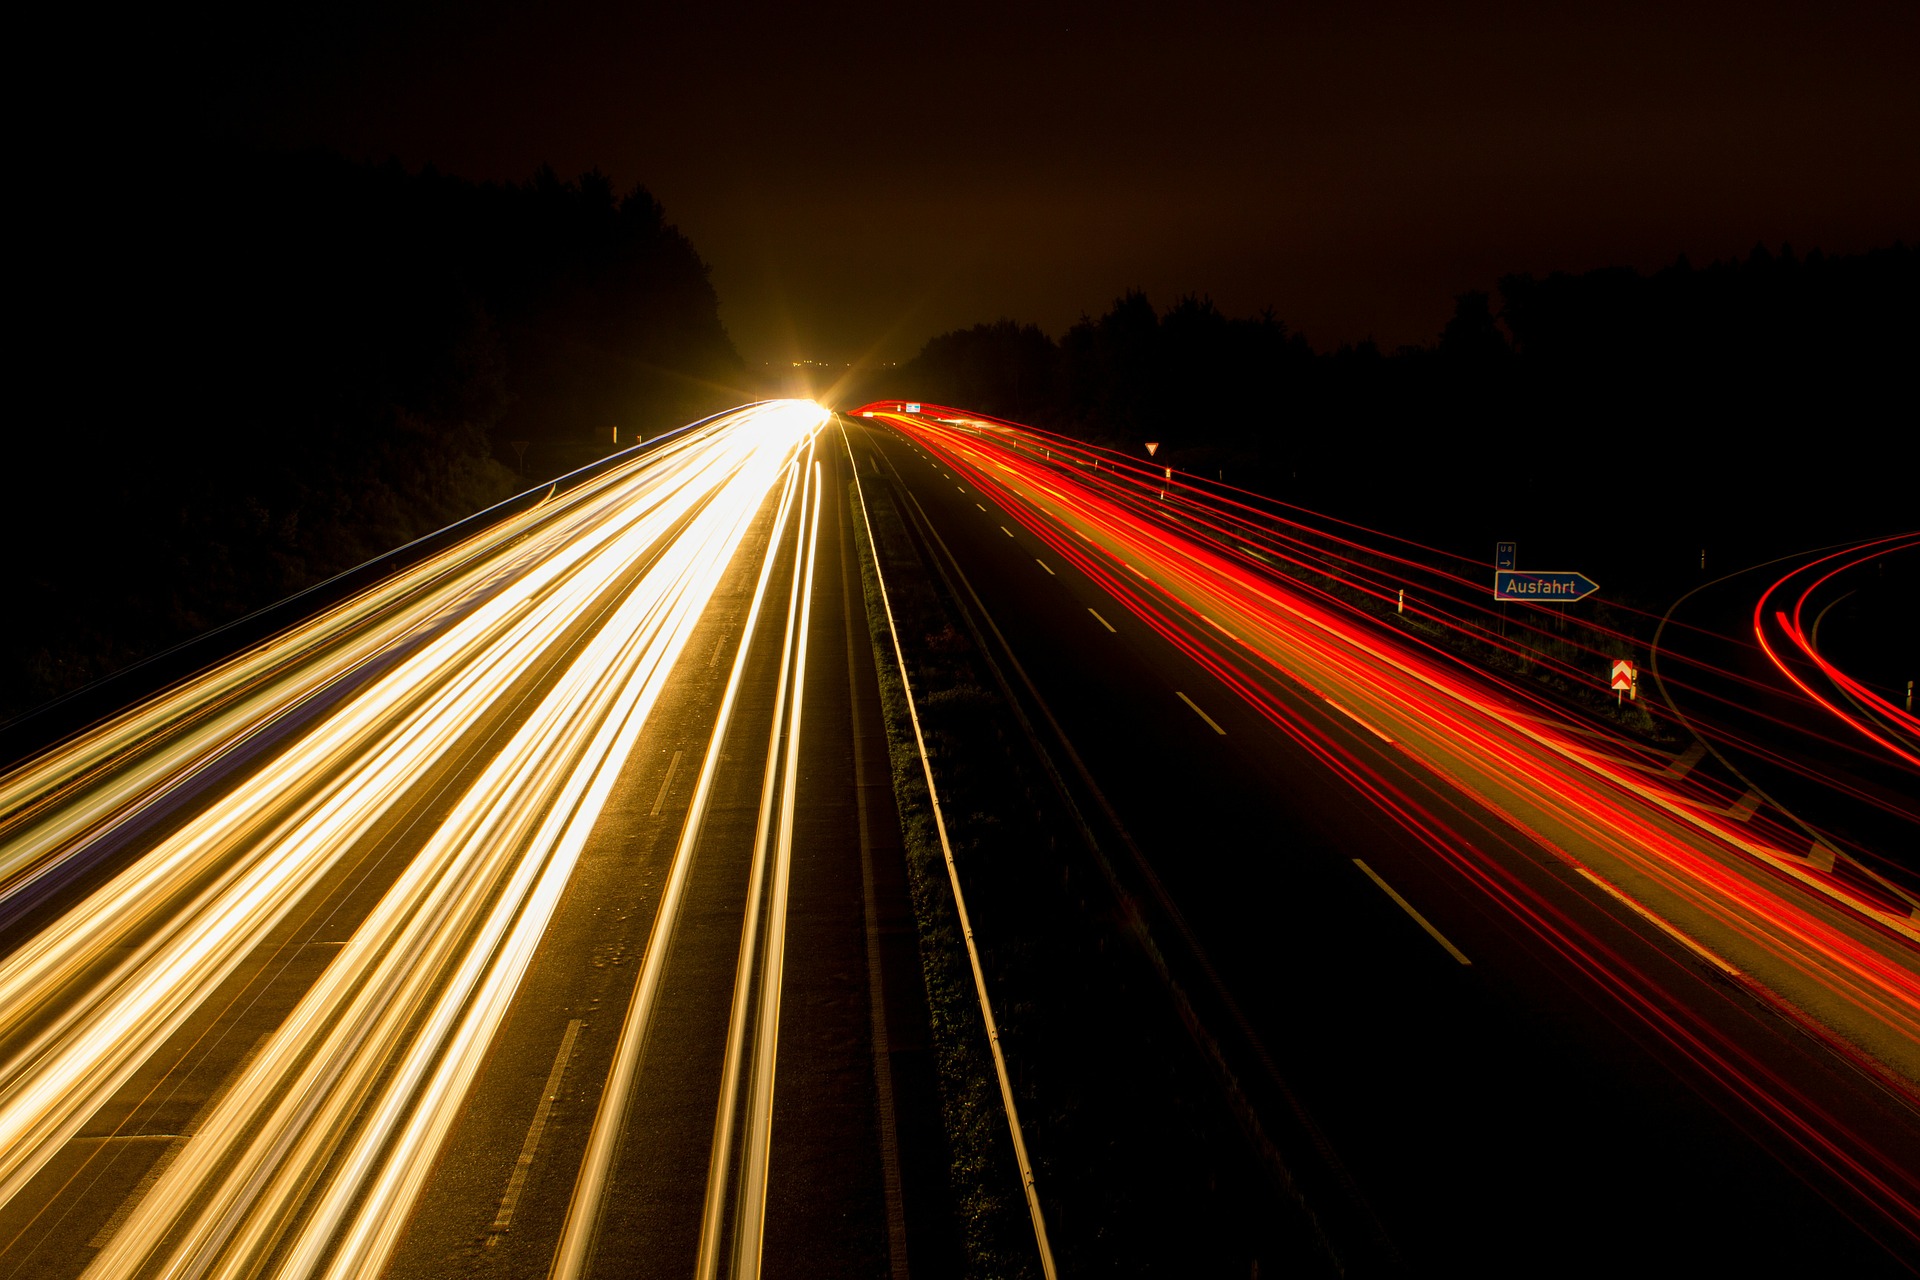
540	907
1525	1006
1822	747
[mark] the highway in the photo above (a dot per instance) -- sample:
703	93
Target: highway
1831	758
541	907
534	910
1515	995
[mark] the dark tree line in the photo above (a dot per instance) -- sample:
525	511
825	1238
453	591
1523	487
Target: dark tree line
251	373
1612	415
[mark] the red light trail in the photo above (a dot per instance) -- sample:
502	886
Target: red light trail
1875	718
1214	577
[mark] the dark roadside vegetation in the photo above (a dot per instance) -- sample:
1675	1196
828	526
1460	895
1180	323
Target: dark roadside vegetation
1652	431
262	369
1142	1160
1613	422
274	367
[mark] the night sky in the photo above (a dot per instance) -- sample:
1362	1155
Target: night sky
861	177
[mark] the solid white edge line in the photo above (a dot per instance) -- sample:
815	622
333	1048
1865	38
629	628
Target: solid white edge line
1409	908
960	906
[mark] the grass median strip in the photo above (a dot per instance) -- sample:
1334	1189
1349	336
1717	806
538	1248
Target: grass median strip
1141	1168
988	1206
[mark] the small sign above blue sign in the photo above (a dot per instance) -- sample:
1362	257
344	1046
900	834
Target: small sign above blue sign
1503	555
1542	587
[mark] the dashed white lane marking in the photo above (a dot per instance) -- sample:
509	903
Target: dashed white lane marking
1217	627
1408	907
978	505
1044	565
1211	723
1006	531
665	782
503	1219
1658	923
1357	720
1102	621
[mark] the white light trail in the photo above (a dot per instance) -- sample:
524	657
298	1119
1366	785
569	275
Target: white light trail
312	1160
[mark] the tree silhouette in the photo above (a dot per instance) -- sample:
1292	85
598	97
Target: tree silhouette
1748	398
292	363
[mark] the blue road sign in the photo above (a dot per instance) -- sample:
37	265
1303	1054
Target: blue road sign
1503	555
1535	586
